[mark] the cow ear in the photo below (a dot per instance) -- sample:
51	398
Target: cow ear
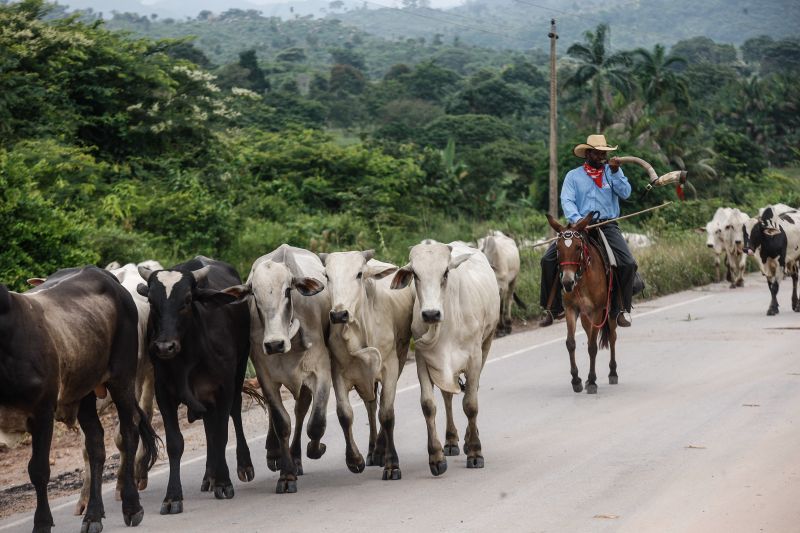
143	289
403	277
239	291
368	254
35	282
307	286
456	262
5	300
323	256
145	272
213	297
554	223
113	265
379	270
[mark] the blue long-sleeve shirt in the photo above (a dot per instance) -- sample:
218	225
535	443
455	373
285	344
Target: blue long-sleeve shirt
580	195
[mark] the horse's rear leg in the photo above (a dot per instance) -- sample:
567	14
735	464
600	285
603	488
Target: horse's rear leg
577	385
613	379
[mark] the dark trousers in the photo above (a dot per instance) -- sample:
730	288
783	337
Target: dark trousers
623	276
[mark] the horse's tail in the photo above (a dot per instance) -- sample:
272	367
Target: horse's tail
605	333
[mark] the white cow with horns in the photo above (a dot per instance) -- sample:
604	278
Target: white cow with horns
455	317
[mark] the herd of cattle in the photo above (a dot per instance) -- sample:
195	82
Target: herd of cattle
84	336
772	237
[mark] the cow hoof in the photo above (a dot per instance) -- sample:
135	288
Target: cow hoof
451	450
134	519
246	473
80	507
205	485
274	464
438	468
740	283
298	466
772	311
91	527
286	486
223	492
42	529
392	474
315	451
141	483
356	466
376	459
475	462
172	507
577	387
500	333
613	380
591	388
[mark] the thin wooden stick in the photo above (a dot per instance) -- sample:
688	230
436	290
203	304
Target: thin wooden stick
609	221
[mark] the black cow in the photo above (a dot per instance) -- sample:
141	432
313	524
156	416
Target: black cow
768	241
199	341
62	344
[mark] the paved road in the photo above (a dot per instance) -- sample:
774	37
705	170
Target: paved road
702	434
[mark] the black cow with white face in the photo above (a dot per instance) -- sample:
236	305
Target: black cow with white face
68	341
774	239
199	341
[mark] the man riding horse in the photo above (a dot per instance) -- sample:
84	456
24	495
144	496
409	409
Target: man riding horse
595	186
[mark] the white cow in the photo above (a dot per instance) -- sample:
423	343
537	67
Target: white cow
732	232
369	338
503	256
714	241
455	316
637	241
128	276
288	324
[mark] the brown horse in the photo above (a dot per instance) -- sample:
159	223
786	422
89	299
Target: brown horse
587	292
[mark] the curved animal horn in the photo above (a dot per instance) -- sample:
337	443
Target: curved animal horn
677	176
145	272
201	273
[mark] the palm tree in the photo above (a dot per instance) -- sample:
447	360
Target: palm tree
604	73
659	82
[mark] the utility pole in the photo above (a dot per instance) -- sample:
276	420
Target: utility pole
553	208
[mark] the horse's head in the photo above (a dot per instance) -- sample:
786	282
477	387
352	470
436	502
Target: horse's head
573	250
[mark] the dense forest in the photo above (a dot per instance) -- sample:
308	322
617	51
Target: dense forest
126	145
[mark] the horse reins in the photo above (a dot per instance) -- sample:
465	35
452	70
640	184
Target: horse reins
585	261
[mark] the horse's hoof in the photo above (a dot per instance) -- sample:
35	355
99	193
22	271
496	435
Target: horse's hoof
591	388
577	386
172	507
392	473
315	452
91	527
451	450
438	468
223	492
134	519
356	465
613	380
246	473
475	462
286	486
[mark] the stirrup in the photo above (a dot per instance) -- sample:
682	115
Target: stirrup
547	319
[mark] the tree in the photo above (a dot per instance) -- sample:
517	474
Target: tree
704	50
249	61
658	79
604	73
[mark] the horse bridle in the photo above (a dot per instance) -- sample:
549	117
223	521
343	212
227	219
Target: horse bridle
585	257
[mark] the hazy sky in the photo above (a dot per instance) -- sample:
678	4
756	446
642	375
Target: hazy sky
434	3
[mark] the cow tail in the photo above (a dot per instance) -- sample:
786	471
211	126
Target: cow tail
605	334
519	302
150	440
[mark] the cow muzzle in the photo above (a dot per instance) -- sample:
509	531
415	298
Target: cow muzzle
273	347
167	349
431	316
340	317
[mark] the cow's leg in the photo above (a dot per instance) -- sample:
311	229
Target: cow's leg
207	483
83	499
472	442
344	411
512	286
795	301
391	466
717	277
223	487
95	448
451	433
591	334
244	464
144	397
436	459
374	456
318	421
124	399
41	429
300	410
571	319
613	379
501	324
282	427
273	447
167	404
773	305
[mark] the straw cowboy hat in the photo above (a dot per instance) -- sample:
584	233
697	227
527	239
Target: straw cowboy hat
593	142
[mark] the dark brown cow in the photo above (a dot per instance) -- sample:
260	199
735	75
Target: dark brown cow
62	344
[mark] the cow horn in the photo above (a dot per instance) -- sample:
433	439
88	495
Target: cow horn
201	273
145	272
677	176
368	254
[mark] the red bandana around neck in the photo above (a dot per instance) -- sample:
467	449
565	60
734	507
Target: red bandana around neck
595	173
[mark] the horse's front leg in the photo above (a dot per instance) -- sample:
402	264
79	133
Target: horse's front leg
571	317
591	334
